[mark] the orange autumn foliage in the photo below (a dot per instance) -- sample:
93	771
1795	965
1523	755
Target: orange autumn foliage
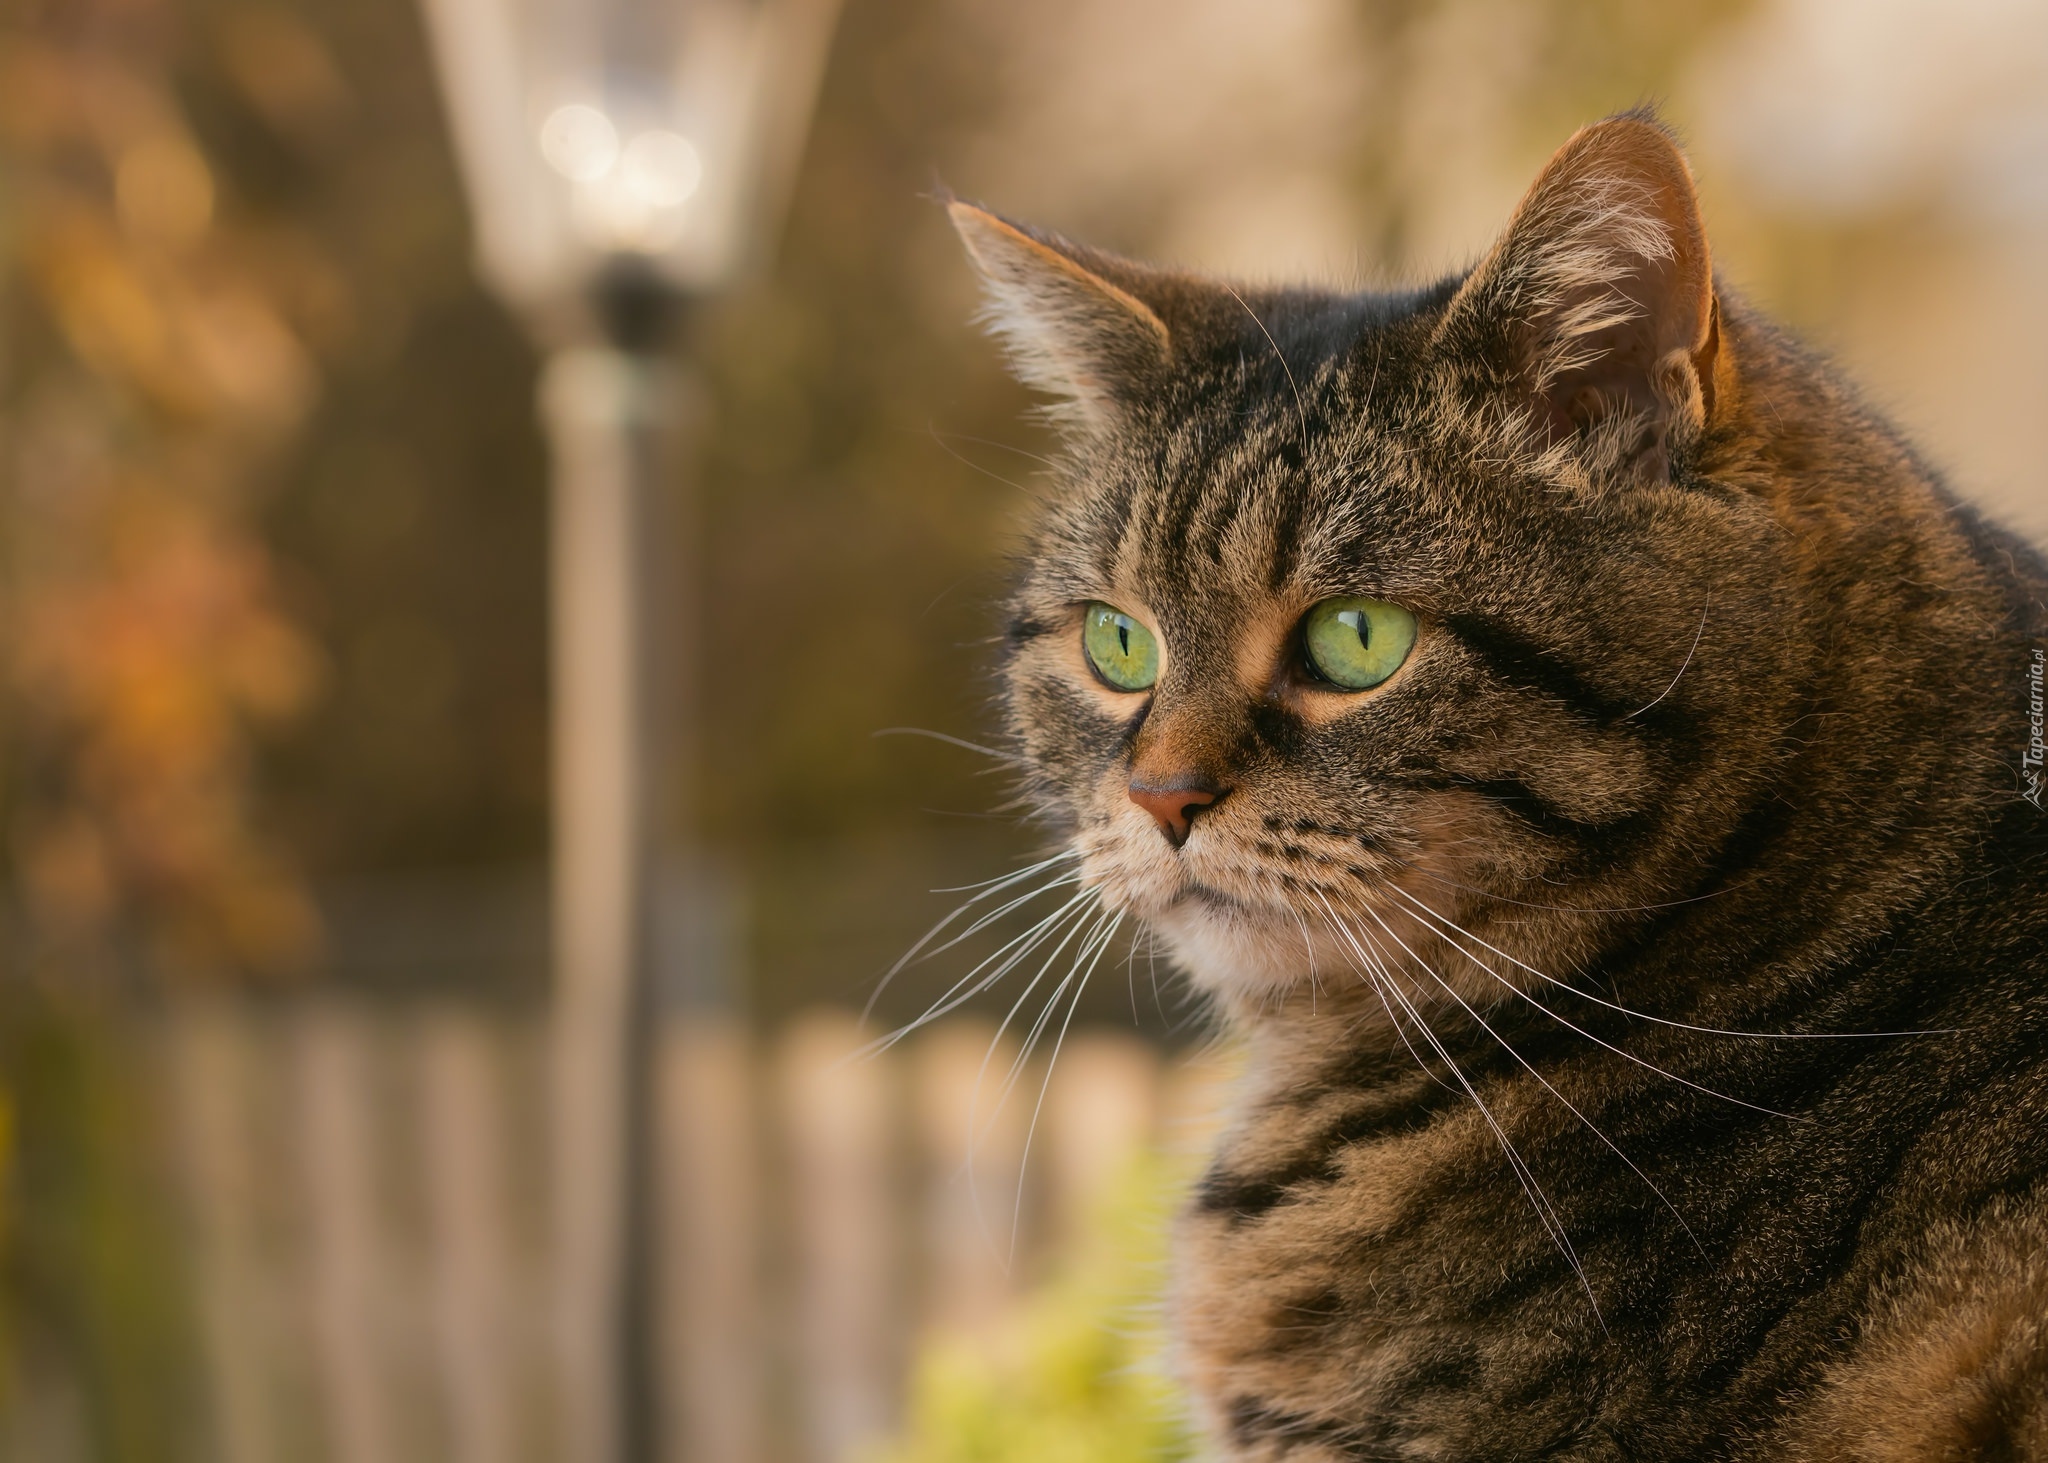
147	642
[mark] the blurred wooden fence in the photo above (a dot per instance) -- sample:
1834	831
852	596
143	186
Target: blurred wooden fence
368	1193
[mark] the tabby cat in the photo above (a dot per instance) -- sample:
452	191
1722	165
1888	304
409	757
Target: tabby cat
1594	764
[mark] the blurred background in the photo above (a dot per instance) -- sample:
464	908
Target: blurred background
274	677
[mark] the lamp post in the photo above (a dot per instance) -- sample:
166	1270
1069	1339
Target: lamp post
623	158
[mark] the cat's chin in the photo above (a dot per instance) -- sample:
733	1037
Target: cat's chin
1242	957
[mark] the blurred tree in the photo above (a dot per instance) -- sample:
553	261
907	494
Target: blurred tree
412	506
156	334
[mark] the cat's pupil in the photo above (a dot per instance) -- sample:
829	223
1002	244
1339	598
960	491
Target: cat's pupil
1123	637
1357	621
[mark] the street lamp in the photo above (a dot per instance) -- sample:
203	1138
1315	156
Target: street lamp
645	139
622	158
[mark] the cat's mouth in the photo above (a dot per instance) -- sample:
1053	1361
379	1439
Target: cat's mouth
1213	898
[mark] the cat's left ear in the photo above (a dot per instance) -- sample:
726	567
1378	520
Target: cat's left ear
1599	299
1074	329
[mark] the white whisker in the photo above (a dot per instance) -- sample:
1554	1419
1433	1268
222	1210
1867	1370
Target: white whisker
1017	1065
1045	1085
1400	1030
1570	1107
1005	958
1431	913
989	889
1008	758
1300	407
1001	879
1539	1201
1570	1025
1689	654
978	1131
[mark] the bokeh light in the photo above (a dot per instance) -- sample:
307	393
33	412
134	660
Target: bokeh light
579	142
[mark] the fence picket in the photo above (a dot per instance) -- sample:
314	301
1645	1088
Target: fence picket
1100	1114
350	1268
815	1210
837	1112
973	1148
709	1245
469	1206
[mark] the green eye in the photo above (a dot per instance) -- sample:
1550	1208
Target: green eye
1357	643
1122	651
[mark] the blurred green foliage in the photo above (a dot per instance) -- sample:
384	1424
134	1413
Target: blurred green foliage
1078	1374
6	1216
98	1354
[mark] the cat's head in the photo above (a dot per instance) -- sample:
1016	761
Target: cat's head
1356	618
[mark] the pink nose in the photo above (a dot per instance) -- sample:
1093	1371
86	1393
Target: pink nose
1173	808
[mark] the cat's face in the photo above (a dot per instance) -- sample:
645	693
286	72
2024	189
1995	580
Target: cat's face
1359	624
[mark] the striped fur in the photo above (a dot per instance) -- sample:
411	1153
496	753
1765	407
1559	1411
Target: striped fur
1558	956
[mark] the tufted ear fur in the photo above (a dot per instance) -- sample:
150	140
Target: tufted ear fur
1071	332
1599	298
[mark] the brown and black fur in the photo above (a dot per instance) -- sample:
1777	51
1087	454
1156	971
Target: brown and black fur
1645	989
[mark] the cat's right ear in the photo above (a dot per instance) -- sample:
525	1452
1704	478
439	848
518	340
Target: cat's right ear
1070	331
1599	299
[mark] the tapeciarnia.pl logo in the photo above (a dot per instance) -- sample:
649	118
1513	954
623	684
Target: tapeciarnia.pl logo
2031	759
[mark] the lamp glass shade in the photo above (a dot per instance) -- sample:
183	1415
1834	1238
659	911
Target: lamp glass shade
661	132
